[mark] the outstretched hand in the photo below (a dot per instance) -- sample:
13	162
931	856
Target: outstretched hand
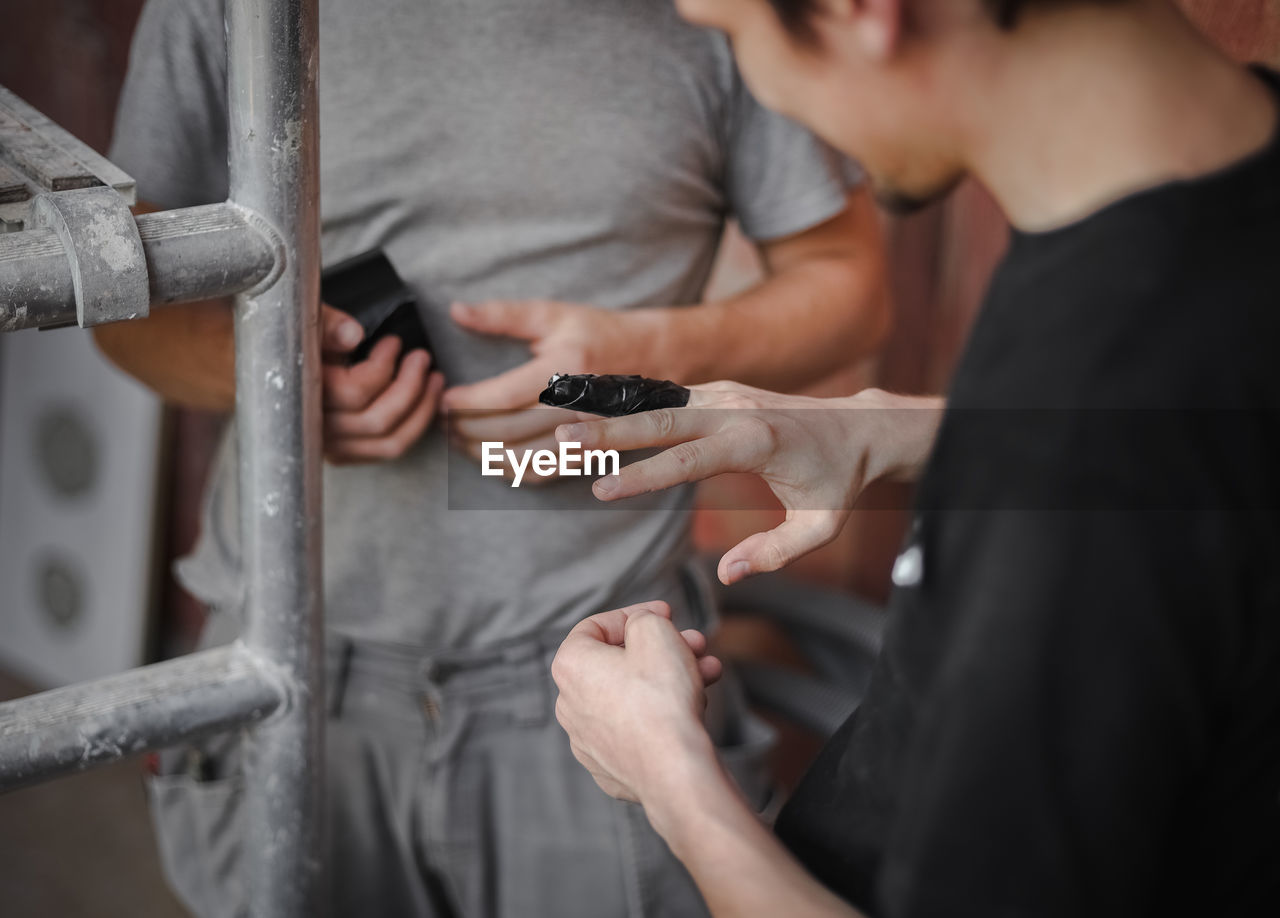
816	455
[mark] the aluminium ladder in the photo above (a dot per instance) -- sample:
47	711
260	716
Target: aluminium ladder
80	257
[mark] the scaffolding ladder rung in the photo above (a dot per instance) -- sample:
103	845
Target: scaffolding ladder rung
76	727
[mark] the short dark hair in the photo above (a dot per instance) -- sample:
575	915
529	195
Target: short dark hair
797	15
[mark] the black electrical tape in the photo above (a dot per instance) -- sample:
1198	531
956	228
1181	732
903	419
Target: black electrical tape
612	395
367	288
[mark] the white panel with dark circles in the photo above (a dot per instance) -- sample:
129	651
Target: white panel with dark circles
79	465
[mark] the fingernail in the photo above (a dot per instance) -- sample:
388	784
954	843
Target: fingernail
349	334
570	433
606	486
738	569
459	309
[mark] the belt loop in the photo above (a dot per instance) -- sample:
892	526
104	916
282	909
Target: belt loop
525	661
338	662
431	695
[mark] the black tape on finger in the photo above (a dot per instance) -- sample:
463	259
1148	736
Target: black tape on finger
612	396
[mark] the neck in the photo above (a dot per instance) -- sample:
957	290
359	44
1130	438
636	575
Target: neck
1082	105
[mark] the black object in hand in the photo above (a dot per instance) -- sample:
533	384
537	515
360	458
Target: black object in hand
612	395
367	288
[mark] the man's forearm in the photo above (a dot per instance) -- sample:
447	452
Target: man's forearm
740	867
185	353
817	311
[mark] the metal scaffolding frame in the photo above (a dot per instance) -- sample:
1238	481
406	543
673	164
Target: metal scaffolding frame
84	259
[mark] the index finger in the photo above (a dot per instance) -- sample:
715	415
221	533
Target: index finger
354	388
663	427
507	391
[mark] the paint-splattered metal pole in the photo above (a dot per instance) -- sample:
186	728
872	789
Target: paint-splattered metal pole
273	130
266	236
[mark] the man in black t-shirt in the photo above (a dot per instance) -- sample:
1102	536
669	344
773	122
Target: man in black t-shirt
1077	709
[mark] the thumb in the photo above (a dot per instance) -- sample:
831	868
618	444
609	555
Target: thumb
646	631
525	319
339	333
801	532
611	627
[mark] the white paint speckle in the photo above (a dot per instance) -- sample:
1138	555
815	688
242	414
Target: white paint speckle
113	247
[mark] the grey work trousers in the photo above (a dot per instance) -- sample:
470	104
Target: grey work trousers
451	791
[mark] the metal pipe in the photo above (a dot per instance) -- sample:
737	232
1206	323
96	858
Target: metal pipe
271	67
194	253
73	728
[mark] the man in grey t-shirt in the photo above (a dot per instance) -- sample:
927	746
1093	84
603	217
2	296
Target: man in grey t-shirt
584	153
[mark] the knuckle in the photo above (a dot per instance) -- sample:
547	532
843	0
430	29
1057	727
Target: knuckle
758	432
738	401
662	422
348	393
773	556
643	624
371	422
686	457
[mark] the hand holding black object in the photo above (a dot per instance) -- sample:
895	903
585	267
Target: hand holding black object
367	288
612	395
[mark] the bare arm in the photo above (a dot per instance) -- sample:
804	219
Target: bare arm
631	695
185	353
740	867
821	305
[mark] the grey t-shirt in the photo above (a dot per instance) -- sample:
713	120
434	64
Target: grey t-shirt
580	150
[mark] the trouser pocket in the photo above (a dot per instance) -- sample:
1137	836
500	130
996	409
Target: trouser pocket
198	826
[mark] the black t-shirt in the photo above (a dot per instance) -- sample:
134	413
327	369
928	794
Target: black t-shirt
1077	709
